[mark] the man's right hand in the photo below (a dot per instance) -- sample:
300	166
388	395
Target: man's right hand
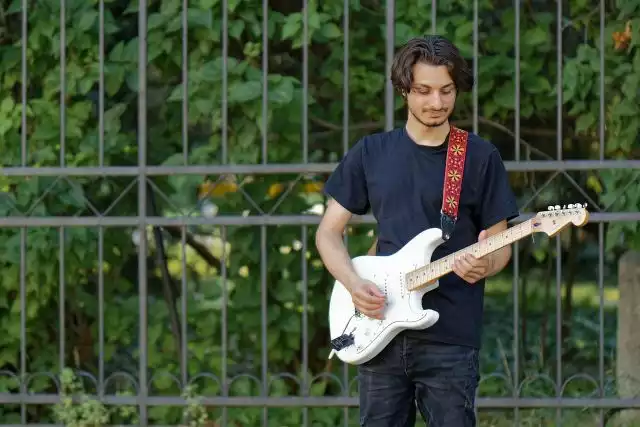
368	299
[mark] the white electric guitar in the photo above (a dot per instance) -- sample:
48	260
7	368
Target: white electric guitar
407	275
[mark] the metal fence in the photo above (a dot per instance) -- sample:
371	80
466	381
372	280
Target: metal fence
142	172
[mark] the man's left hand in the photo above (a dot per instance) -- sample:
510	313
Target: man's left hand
470	268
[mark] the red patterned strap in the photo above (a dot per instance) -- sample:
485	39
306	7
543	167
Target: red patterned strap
454	171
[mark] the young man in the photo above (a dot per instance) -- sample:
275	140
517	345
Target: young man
399	175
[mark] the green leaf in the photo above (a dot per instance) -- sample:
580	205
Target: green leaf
536	36
331	31
87	20
244	91
505	96
7	105
585	122
282	94
292	25
155	20
537	84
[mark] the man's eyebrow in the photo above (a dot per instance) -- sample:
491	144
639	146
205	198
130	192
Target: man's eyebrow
426	86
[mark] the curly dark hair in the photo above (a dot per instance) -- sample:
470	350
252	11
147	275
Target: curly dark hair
433	50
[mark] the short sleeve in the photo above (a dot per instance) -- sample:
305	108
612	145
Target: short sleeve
347	184
496	199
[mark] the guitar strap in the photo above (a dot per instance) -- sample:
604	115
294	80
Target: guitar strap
453	173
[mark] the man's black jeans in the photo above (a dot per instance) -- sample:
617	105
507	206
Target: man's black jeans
440	379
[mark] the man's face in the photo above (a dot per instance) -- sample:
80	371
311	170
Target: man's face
432	96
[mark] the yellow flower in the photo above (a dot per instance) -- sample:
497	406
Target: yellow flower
275	189
208	188
313	187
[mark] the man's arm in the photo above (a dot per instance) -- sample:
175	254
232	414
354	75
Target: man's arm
365	295
330	244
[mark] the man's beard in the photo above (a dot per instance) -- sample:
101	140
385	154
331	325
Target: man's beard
434	123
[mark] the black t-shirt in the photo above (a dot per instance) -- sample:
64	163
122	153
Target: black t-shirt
401	183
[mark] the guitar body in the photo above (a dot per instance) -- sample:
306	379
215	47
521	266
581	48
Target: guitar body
403	307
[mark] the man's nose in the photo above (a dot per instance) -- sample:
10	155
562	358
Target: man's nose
436	101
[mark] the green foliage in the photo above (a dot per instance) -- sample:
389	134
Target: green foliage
220	276
87	411
77	409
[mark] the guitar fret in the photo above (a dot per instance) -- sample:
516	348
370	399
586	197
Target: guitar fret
430	272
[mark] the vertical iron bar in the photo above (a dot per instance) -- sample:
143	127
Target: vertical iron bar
559	81
23	230
558	243
345	144
225	78
434	13
23	89
142	207
23	319
345	79
516	328
602	77
263	323
304	383
183	314
61	233
558	326
101	390
516	247
305	81
601	315
61	284
101	89
265	77
601	225
305	325
101	374
63	79
517	81
185	159
475	65
225	156
263	229
389	52
185	85
225	302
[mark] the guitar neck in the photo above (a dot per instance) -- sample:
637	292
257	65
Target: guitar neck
424	275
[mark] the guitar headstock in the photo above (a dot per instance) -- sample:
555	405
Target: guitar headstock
558	217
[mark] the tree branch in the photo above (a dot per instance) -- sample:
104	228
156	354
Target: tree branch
201	249
169	289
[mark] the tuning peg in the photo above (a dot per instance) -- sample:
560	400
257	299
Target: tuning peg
557	207
571	206
549	208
